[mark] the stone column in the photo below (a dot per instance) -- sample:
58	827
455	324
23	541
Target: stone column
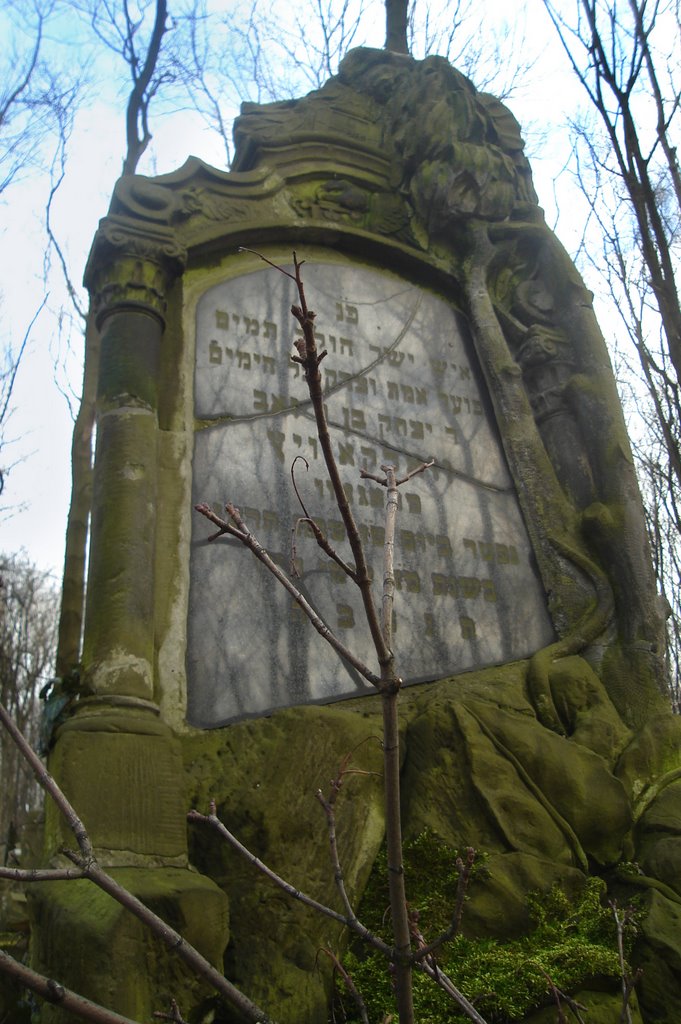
118	762
128	276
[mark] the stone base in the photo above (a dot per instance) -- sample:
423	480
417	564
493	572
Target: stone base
87	942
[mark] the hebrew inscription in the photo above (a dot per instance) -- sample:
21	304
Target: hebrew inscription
402	386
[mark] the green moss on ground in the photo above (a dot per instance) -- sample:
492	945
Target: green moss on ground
571	941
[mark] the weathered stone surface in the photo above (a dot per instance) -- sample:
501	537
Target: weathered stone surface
110	957
658	953
128	796
475	769
649	762
263	775
497	905
478	769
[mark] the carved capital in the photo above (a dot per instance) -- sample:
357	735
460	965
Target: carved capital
130	269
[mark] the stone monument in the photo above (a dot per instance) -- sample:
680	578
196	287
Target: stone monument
527	621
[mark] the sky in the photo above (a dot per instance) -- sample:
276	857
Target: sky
37	490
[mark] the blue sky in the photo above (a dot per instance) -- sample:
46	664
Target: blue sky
38	486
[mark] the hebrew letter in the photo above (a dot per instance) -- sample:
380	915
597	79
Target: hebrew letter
214	353
222	319
270	330
395	358
421	396
268	364
413	503
407	541
444	545
259	401
468	543
276	439
416	429
346	346
486	551
467	627
393	390
252	516
489	591
439	582
407	393
470	586
346	618
413	582
270	520
244	360
369	457
377	536
346	454
351	314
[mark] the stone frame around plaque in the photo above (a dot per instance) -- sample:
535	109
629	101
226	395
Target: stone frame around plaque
539	349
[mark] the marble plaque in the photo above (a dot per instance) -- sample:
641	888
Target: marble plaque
402	386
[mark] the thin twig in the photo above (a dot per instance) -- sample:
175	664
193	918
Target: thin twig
328	805
52	992
349	984
628	983
383	480
249	540
448	986
562	997
318	534
352	923
464	870
86	862
175	1017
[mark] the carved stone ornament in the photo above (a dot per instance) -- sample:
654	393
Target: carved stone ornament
130	269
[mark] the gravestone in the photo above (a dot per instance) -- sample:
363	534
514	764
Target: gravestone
526	614
402	386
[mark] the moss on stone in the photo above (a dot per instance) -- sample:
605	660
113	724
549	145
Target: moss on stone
569	938
108	956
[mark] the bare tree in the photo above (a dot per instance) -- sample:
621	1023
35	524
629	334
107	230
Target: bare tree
261	52
34	95
28	627
36	106
626	58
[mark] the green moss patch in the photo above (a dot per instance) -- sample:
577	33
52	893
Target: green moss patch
571	941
